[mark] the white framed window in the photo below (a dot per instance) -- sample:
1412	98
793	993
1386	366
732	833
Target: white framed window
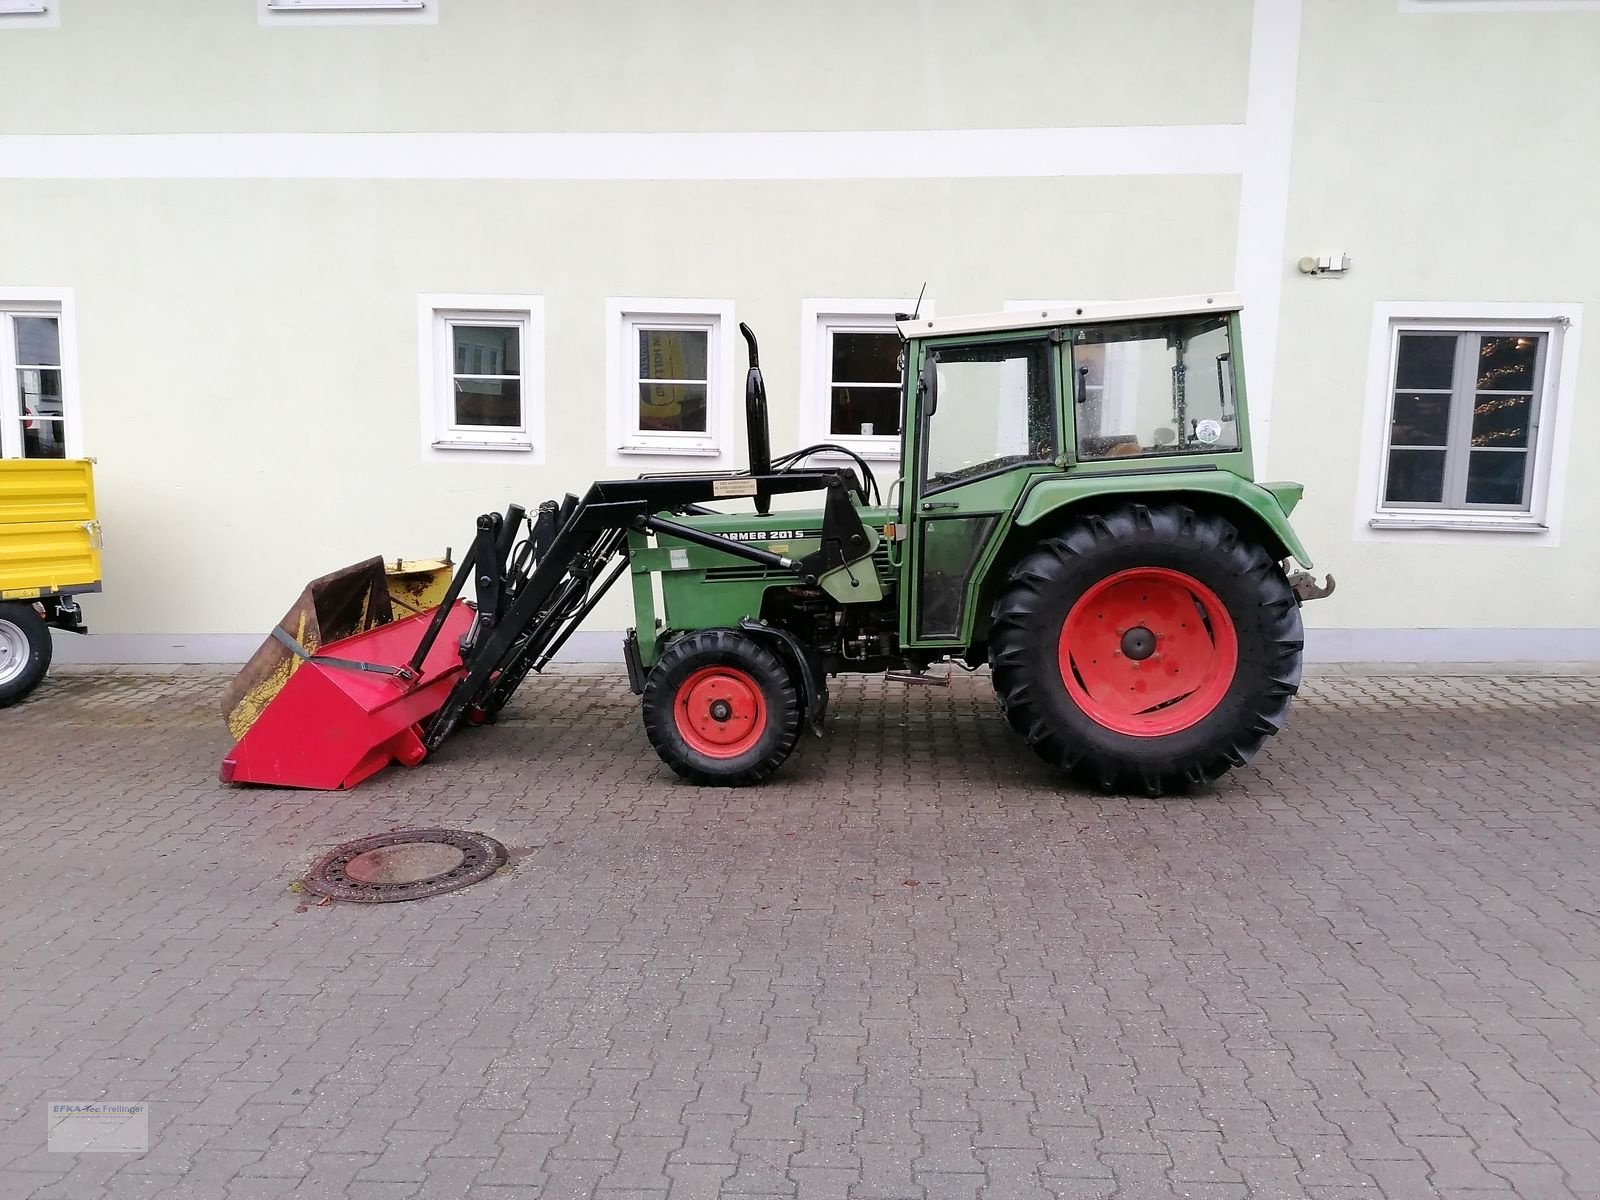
482	365
38	394
852	373
669	363
30	14
1467	412
347	12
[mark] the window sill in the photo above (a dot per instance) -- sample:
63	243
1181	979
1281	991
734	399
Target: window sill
1460	524
694	451
343	6
520	447
887	451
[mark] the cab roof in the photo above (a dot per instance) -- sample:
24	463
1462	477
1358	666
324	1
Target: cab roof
1087	312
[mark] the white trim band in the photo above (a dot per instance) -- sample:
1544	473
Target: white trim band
869	154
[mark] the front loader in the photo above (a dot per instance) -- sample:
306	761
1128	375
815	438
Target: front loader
1076	509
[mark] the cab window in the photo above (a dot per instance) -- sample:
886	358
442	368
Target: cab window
993	408
1154	387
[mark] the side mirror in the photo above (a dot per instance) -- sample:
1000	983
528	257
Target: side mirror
928	383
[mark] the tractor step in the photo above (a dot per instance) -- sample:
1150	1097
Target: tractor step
920	678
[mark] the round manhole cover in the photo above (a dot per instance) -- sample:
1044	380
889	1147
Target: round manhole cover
408	864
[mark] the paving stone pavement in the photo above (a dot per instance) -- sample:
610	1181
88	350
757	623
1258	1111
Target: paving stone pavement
913	965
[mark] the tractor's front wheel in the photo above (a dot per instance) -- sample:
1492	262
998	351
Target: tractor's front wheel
1147	648
721	709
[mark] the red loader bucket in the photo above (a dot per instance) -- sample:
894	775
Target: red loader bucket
341	715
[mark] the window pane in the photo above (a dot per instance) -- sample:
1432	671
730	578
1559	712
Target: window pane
995	409
950	547
673	354
44	439
489	402
40	394
672	407
1506	364
1415	477
38	341
1496	477
865	411
487	349
1425	360
1153	388
1420	419
1502	420
866	357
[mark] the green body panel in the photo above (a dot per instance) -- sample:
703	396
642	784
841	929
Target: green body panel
1288	496
705	589
1227	489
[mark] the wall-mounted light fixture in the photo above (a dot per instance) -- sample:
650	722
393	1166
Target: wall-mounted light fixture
1328	264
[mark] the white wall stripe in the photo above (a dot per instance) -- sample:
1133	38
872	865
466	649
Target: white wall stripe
876	154
1260	263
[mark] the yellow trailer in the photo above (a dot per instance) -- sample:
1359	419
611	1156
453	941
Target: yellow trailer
49	553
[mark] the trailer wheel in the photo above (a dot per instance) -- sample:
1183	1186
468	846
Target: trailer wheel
721	709
1147	649
25	651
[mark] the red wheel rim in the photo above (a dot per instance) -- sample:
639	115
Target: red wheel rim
1148	652
720	711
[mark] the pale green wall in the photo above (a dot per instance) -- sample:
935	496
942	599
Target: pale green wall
1454	157
249	350
521	65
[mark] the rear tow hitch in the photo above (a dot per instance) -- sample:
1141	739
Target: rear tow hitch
1306	587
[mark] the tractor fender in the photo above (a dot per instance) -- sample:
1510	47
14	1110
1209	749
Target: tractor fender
1227	492
813	688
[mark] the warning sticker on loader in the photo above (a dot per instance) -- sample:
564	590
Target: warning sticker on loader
733	487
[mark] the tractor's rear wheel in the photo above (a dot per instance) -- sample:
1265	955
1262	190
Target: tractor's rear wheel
1147	648
721	709
25	651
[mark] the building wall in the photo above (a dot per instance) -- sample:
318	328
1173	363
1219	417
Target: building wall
1451	154
249	225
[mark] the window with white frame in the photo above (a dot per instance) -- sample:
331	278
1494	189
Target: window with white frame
33	414
852	374
667	376
483	372
1468	412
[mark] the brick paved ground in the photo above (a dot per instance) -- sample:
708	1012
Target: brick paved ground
915	965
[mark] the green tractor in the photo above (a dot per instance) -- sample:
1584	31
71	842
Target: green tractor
1076	509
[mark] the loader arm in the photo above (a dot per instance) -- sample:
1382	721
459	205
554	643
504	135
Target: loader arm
528	610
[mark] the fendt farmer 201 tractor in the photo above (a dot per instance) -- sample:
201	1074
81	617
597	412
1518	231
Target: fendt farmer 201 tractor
1076	509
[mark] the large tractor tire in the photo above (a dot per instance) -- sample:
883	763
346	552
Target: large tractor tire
721	709
1146	649
25	651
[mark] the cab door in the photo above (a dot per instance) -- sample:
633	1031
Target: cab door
988	417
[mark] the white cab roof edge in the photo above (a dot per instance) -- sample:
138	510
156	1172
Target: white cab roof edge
1072	314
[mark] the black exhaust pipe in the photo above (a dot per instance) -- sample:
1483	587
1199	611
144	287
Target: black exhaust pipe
757	434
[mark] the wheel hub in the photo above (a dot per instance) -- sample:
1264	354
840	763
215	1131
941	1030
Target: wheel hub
1148	652
721	711
1138	643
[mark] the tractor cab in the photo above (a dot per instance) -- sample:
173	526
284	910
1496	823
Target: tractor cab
1003	403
